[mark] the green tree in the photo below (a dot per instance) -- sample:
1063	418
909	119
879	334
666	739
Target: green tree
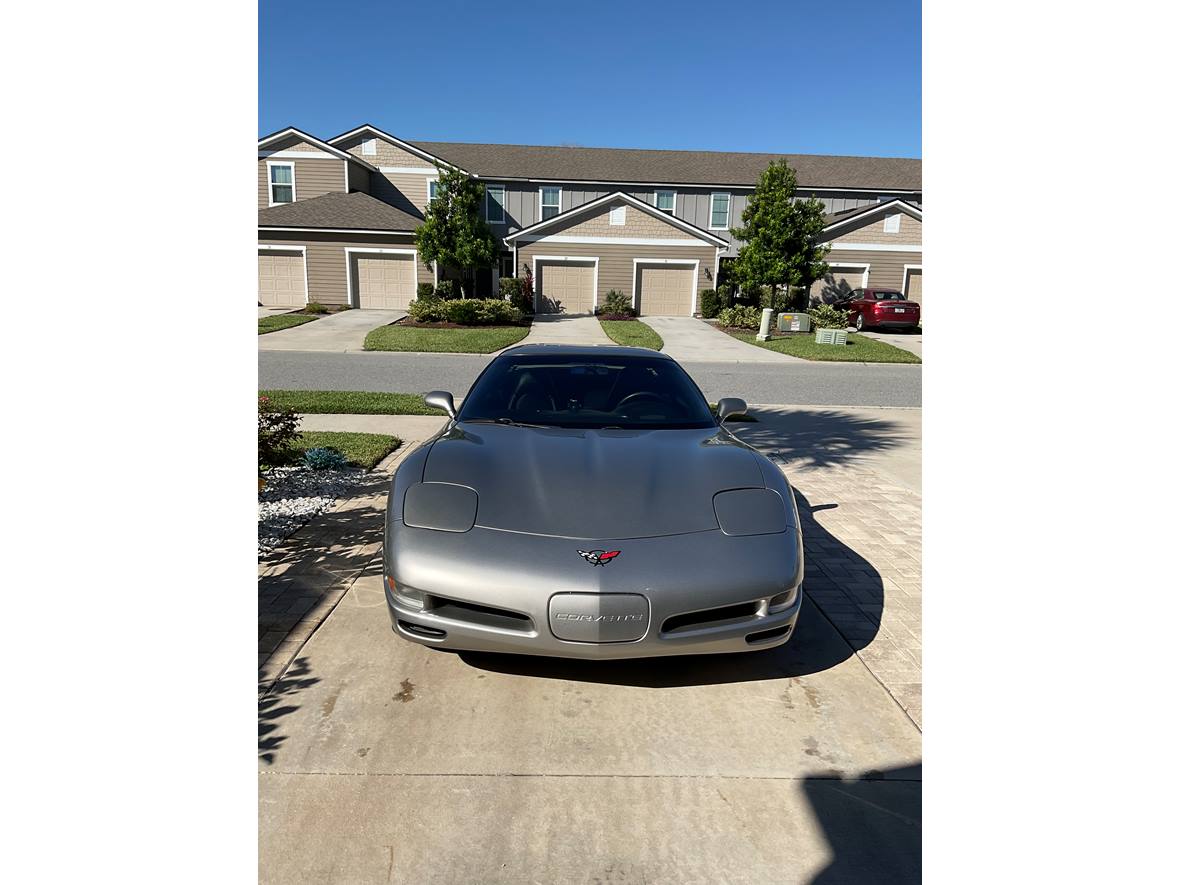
454	235
781	236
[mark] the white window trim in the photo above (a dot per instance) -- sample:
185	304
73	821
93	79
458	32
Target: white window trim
728	209
369	147
655	200
354	298
906	270
896	219
575	259
270	194
852	265
696	270
302	250
622	210
487	211
541	200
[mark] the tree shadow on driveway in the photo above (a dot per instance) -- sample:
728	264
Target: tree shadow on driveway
276	704
821	437
821	640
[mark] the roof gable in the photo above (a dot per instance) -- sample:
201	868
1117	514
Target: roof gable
560	223
394	140
268	144
851	219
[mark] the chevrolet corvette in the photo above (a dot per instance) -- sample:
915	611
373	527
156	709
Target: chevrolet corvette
585	502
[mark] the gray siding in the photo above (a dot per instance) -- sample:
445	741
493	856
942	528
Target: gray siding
358	178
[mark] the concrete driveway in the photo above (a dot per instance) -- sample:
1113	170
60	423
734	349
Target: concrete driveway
559	329
904	340
335	333
688	339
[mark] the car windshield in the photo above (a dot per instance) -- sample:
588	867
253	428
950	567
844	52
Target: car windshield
890	296
625	392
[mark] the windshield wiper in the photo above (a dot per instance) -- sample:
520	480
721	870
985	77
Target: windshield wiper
508	422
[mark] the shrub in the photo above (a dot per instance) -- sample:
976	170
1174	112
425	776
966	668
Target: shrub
725	295
741	317
426	290
278	431
325	459
428	310
825	316
513	289
617	305
314	307
710	303
481	312
447	290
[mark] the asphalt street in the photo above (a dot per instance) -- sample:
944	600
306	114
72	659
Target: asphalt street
819	384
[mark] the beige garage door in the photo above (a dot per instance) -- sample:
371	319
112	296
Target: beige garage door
565	287
839	281
280	278
664	290
384	281
913	289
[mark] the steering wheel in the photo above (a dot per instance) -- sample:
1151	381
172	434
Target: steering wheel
638	396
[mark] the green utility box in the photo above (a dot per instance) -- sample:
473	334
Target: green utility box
831	336
794	322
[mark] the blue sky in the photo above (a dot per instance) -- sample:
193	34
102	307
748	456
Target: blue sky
836	77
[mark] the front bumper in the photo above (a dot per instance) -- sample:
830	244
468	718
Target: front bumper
484	590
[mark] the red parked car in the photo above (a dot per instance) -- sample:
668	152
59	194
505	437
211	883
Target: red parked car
881	308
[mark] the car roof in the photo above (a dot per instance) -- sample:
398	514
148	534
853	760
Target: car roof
592	350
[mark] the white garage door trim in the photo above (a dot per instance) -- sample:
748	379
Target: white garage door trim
354	298
696	269
302	250
864	277
905	276
576	259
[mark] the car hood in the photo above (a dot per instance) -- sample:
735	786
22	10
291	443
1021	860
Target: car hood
609	484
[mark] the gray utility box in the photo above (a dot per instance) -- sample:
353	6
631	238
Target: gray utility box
831	336
794	322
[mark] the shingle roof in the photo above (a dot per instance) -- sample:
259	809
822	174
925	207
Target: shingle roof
674	167
354	211
848	214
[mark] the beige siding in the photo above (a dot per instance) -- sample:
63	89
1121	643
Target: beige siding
405	191
616	265
910	233
637	224
358	178
326	273
313	178
885	268
387	154
293	143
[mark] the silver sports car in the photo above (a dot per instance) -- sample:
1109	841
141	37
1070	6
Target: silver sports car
584	502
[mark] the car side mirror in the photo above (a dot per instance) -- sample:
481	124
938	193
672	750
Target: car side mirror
442	399
728	407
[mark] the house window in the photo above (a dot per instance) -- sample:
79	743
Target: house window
282	182
892	224
666	201
506	264
618	215
431	189
550	202
719	217
495	207
369	147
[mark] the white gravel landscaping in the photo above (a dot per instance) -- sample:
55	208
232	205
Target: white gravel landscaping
293	496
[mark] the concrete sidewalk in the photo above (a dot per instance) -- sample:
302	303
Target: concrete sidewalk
342	332
687	339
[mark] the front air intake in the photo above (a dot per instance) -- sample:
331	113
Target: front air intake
710	617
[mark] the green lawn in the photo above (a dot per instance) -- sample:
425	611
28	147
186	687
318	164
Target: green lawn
632	333
858	349
282	321
361	449
472	339
349	402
